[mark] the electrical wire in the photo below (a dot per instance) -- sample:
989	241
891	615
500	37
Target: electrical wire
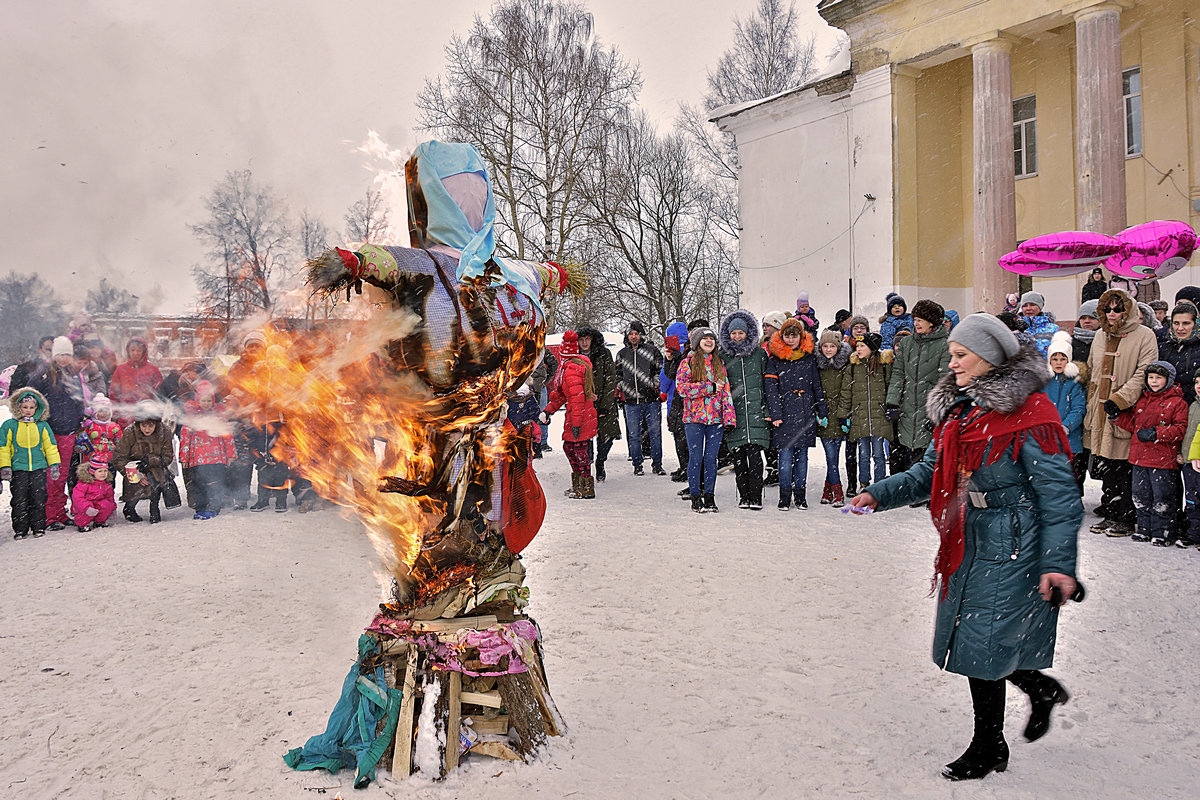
1168	176
866	205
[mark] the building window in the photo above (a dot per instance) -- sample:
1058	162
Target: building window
1025	136
1131	88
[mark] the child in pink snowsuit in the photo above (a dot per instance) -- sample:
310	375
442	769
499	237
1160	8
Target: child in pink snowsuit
92	501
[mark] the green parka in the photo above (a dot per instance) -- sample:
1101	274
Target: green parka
744	364
992	620
833	378
864	396
921	360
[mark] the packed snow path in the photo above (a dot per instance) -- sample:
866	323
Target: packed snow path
736	655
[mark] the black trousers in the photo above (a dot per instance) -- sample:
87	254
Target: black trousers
1116	491
28	501
238	476
681	448
851	467
748	472
900	458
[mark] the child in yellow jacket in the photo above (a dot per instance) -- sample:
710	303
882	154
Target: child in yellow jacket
28	453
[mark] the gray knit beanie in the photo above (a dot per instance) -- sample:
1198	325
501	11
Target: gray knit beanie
1089	309
987	337
1033	297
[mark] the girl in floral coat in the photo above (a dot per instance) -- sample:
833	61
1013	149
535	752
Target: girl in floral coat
574	386
206	446
707	408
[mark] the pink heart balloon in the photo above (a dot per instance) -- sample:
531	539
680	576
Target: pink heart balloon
1070	247
1022	264
1153	249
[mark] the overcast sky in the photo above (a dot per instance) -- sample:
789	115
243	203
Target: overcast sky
122	115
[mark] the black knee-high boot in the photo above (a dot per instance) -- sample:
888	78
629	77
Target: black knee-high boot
988	751
1044	694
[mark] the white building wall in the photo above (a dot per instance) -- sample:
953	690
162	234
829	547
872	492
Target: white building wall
807	163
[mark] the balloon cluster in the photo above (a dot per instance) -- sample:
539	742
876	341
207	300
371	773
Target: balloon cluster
1150	250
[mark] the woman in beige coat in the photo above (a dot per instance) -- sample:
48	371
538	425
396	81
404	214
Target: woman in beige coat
1122	349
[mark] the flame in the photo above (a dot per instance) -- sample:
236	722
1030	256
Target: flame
415	464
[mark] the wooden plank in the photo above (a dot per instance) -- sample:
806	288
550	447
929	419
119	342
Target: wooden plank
487	699
495	749
402	754
486	727
550	716
453	625
453	721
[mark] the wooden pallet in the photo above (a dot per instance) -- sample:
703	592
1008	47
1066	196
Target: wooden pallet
512	715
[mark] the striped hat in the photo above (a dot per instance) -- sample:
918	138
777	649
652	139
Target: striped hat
97	463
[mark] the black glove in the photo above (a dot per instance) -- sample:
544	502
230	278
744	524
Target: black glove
1111	409
1147	435
891	412
144	465
928	425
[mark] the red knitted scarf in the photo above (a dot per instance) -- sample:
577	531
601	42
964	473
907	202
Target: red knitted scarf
962	441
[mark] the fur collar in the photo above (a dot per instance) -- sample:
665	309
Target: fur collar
777	347
747	346
885	357
839	361
1004	388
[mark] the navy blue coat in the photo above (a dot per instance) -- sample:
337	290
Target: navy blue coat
794	395
63	391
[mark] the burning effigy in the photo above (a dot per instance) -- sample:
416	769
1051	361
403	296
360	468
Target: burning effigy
402	420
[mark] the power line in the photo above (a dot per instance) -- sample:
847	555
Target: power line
866	205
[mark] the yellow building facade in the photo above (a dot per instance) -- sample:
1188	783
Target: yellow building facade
1009	119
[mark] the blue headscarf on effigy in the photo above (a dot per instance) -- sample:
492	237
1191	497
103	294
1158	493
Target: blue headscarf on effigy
448	224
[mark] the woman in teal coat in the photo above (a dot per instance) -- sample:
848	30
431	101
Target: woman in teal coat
1002	495
744	362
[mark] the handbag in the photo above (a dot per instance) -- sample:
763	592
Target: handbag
170	492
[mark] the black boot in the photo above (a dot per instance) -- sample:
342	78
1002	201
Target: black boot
600	473
785	499
710	504
264	500
698	504
988	751
131	513
155	516
1044	694
798	497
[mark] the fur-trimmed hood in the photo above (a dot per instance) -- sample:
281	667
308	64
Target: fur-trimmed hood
885	357
839	361
1003	388
14	403
1129	320
753	334
778	348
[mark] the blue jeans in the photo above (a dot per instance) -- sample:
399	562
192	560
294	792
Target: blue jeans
703	443
651	415
833	448
1191	502
872	447
793	468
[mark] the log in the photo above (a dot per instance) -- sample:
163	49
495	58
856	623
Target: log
525	713
495	726
550	716
402	755
454	625
488	699
453	720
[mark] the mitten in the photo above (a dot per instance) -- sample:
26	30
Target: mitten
54	472
822	421
544	418
662	397
1111	409
1195	465
892	413
1147	434
91	512
6	474
844	424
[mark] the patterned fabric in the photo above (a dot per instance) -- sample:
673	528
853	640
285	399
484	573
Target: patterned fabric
577	457
703	402
102	435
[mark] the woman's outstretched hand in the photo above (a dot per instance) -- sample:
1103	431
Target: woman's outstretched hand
864	500
1065	584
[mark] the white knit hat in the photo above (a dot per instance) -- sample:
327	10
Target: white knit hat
1061	343
775	319
63	347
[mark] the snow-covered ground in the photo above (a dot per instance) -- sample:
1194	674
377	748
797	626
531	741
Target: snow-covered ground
734	655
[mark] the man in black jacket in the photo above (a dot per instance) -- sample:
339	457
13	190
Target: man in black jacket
638	365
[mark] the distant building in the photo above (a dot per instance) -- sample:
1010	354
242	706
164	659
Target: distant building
973	125
172	341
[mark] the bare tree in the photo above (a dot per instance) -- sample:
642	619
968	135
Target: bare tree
248	236
106	297
533	89
659	253
29	309
367	220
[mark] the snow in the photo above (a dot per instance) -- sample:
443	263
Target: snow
742	654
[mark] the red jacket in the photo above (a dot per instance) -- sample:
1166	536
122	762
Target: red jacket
131	382
198	446
1166	412
567	389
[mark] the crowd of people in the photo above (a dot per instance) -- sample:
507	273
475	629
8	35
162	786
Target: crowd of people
80	418
757	394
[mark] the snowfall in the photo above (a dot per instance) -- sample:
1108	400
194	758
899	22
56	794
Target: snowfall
734	655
